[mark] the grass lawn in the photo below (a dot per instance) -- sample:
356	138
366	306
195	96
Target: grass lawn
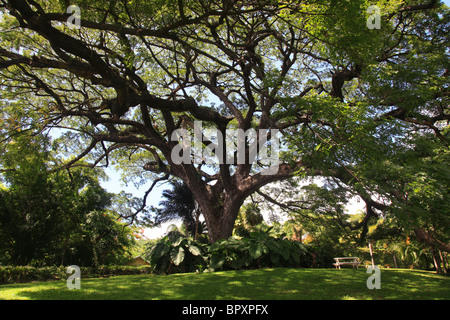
261	284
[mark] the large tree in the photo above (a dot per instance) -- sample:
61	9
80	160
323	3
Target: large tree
135	72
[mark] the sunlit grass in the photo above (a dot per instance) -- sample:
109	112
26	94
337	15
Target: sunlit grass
261	284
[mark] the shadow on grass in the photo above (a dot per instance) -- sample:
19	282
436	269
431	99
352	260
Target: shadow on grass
261	284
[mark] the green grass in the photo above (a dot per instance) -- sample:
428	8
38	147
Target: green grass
261	284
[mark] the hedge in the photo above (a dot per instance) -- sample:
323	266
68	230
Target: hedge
15	274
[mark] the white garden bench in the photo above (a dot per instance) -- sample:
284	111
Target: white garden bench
354	261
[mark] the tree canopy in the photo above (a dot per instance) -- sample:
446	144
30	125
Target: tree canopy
346	99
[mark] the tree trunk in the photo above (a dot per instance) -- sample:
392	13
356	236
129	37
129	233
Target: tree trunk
444	266
436	261
220	217
197	221
425	237
220	201
95	253
371	253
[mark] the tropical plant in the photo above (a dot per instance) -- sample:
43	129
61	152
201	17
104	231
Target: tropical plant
179	254
248	219
258	250
174	254
179	203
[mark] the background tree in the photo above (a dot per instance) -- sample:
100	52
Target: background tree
135	72
54	216
179	203
248	220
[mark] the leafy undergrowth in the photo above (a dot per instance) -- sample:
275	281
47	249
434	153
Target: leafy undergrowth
260	284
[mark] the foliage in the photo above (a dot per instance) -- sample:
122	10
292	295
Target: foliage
52	216
418	188
332	232
15	274
174	254
388	143
296	62
179	203
404	190
259	250
350	102
248	220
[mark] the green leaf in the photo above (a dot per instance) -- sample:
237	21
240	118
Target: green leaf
275	259
178	241
318	147
159	250
241	260
255	250
163	266
285	252
295	257
273	246
177	256
217	261
194	250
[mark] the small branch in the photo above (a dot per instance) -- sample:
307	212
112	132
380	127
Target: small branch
144	200
80	156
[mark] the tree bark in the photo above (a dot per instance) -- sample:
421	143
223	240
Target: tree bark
425	237
220	215
436	261
444	263
197	220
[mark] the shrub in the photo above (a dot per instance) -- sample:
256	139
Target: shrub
177	254
319	257
122	270
257	251
14	274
